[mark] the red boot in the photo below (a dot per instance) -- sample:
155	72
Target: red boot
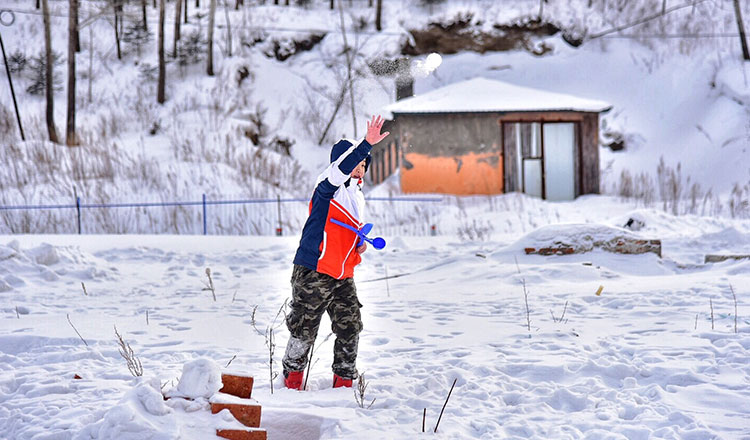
339	382
294	380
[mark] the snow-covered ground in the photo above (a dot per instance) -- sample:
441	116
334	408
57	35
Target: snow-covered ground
654	355
647	358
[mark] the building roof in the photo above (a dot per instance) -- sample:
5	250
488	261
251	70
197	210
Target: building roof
486	95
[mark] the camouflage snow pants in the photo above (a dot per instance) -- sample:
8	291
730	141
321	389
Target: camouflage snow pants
314	293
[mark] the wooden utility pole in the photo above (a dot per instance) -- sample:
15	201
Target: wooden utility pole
162	64
211	16
741	26
49	92
70	126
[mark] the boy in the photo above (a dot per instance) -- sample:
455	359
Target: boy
322	278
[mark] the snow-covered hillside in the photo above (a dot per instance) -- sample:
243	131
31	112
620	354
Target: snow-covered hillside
683	100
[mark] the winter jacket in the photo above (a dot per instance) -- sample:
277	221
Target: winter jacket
327	247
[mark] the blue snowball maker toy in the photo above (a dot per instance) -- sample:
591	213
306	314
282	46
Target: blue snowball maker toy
377	242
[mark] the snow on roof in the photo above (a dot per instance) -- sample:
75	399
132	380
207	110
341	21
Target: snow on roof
486	95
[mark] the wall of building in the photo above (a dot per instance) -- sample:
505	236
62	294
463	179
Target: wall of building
450	153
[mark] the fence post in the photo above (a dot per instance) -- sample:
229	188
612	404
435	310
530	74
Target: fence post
78	210
279	230
205	226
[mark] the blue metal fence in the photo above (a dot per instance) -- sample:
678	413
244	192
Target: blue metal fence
392	213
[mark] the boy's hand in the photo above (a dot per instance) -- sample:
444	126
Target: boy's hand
373	130
361	250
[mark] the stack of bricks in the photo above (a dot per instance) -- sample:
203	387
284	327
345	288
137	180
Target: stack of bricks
247	412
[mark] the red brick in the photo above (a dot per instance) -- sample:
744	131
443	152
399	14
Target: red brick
240	386
236	434
248	415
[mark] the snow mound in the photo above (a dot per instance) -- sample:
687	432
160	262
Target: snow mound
200	378
143	413
577	238
47	262
138	415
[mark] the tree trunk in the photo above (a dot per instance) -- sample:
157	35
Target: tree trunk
332	5
70	126
741	26
143	11
197	4
229	29
50	114
177	22
162	65
77	37
349	62
12	93
186	12
379	16
91	60
211	16
37	4
118	8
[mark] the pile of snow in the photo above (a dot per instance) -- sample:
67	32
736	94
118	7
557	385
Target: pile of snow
143	412
45	262
580	237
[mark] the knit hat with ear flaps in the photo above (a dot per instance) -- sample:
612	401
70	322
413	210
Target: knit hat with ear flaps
340	148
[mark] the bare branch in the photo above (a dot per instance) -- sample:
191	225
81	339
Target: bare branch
74	328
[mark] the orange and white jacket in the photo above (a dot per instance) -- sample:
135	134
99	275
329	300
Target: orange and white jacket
327	247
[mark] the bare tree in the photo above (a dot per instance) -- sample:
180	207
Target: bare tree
77	37
117	5
162	64
143	11
177	17
229	28
48	74
211	16
349	61
379	15
741	26
70	127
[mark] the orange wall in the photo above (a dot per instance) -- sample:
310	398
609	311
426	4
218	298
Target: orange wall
443	175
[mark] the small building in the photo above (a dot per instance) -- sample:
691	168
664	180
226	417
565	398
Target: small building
489	137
